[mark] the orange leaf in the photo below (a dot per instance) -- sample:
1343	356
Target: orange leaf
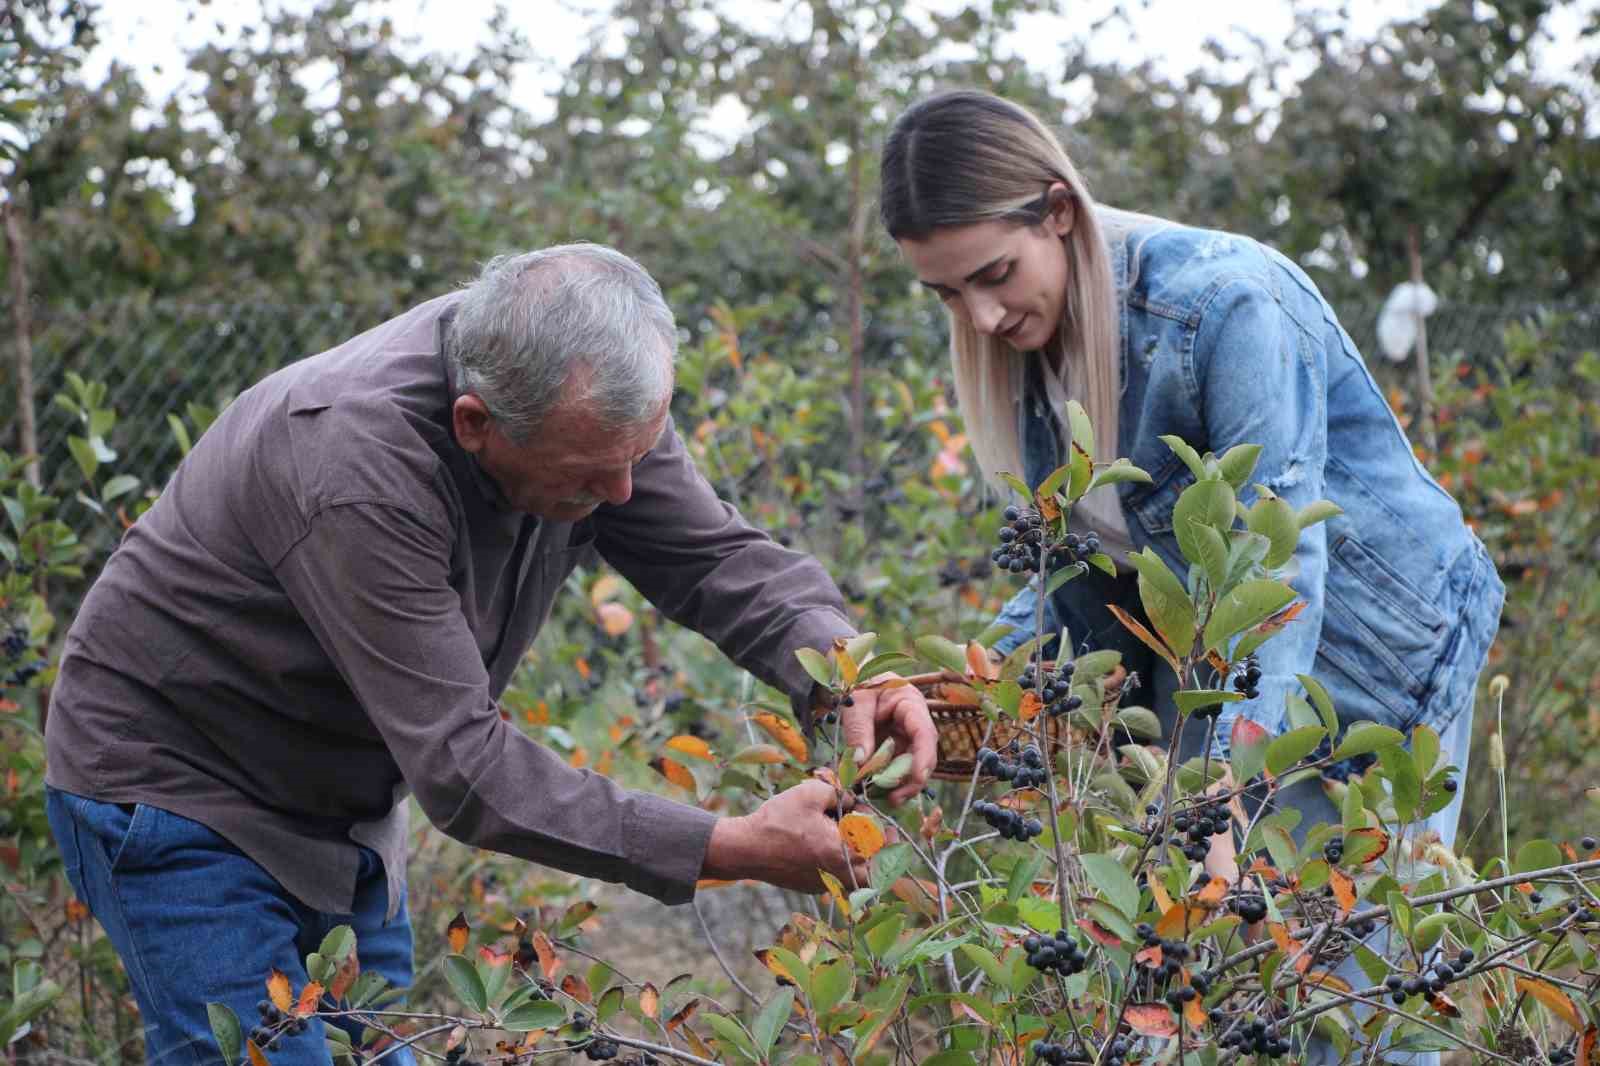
256	1057
1151	641
1195	1014
606	587
1151	956
761	754
457	934
862	834
582	665
615	619
577	988
1211	895
1049	509
1152	1019
1177	919
960	695
1586	1047
1099	933
979	665
349	970
917	893
309	995
1344	890
1444	1005
76	911
675	772
932	824
715	882
1376	849
1324	979
1030	706
494	956
649	1000
683	1015
786	735
545	952
779	970
697	1045
690	745
278	990
1552	997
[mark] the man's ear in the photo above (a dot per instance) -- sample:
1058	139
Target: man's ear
1063	210
472	422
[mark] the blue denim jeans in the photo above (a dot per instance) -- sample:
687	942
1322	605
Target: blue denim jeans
195	921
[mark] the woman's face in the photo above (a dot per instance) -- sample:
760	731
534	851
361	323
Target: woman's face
1008	280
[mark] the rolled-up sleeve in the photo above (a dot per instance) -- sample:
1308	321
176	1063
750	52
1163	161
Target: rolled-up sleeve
372	582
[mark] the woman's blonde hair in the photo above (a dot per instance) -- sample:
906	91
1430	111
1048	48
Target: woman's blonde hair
963	157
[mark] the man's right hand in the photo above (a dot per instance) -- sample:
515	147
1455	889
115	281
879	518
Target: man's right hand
786	841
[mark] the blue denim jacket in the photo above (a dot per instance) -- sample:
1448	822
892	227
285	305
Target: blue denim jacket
1224	342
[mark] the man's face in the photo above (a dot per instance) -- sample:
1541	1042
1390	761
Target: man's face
566	469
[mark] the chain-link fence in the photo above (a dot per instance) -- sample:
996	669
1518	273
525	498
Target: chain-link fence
157	358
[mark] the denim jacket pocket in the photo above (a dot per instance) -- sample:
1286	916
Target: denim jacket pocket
1381	638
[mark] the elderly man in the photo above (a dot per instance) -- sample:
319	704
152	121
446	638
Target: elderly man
319	613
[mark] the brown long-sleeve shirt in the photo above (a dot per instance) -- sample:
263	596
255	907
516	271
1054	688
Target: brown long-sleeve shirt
322	608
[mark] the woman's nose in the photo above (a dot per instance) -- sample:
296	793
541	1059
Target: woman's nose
986	313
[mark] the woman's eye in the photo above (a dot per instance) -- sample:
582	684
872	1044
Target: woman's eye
998	278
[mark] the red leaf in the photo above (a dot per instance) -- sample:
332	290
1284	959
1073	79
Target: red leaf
1246	733
1099	933
1152	1019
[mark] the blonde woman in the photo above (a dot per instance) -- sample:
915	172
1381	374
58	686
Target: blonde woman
1159	328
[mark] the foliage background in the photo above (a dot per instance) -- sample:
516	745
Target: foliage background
176	249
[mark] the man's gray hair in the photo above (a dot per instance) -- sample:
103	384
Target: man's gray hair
574	323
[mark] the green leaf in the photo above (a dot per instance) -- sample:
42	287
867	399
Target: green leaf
1190	457
985	960
953	1057
1141	723
1238	463
1301	713
465	982
1321	701
1103	563
1017	486
88	462
1405	786
1121	470
1113	881
891	863
1317	511
1536	855
1193	699
1082	473
816	664
942	651
1280	845
769	1023
732	1032
225	1027
1424	750
1364	738
1212	554
1165	602
609	1004
337	945
1243	606
1274	519
120	485
1205	503
830	983
1062	576
1355	811
893	663
1022	874
1080	426
1288	749
180	433
1058	477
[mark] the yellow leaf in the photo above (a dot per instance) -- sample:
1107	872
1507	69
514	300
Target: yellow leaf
771	962
615	619
691	745
649	1000
849	669
1553	998
278	990
786	735
1159	892
675	772
836	890
862	834
309	995
256	1057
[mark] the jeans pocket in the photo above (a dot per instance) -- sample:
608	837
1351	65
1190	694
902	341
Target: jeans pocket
114	829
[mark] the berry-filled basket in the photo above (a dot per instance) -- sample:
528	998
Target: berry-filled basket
964	728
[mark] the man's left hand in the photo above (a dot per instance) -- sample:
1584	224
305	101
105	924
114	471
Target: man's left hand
901	712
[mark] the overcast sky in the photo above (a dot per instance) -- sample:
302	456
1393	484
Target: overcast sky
153	34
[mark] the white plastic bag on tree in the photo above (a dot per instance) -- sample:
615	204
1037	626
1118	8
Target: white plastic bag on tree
1397	322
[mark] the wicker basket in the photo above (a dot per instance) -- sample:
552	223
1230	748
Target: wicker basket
962	725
